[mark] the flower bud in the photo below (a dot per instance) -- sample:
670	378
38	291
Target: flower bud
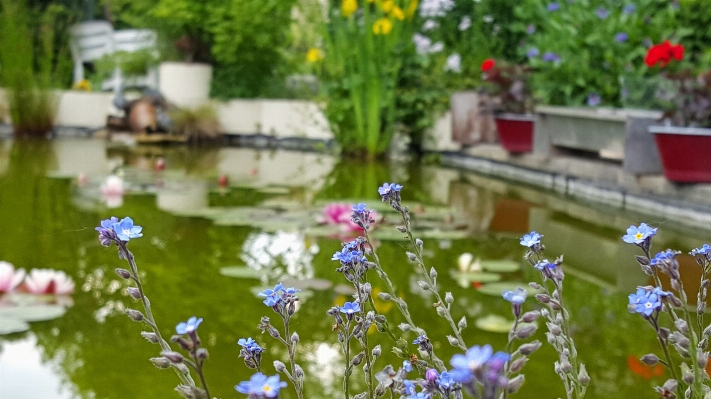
384	296
649	359
515	383
401	229
379	391
687	393
682	326
554	329
201	354
150	337
517	365
431	375
273	331
358	359
376	351
583	376
565	366
298	372
528	348
160	362
134	314
291	309
664	332
423	285
545	313
448	297
404	327
279	366
442	311
433	273
419	243
525	331
550	338
411	256
543	298
294	337
452	340
123	273
174	357
702	357
688	377
531	316
535	285
462	323
134	292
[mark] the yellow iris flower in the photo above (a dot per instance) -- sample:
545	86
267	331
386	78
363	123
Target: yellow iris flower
387	5
397	13
314	55
382	26
348	7
84	85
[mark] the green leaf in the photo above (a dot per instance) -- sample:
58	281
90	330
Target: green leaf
500	266
241	272
33	313
9	325
495	289
494	323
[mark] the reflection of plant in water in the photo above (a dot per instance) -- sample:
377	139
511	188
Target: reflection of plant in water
279	254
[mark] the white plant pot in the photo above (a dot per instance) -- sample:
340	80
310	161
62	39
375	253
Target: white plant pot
185	84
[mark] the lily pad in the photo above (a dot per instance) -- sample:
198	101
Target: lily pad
317	284
344	289
495	289
240	272
33	313
494	323
475	277
274	190
500	266
9	325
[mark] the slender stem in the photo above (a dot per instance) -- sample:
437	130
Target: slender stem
290	346
662	342
202	378
508	350
150	320
347	351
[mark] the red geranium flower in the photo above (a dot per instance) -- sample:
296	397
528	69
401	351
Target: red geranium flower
487	64
663	53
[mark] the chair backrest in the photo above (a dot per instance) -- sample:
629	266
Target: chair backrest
134	39
91	40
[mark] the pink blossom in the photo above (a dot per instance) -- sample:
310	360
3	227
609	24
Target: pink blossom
340	214
9	277
113	186
49	281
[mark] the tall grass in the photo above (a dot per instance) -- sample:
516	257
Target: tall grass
28	66
361	67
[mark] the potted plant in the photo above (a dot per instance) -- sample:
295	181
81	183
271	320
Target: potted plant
684	137
514	106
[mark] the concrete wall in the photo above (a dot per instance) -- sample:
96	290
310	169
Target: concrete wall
278	118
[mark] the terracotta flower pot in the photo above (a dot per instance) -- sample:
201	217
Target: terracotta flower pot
515	131
684	152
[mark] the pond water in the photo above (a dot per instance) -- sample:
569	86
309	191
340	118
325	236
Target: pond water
263	227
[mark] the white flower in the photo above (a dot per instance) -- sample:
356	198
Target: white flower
113	185
49	281
465	24
454	63
435	8
422	43
436	48
9	277
429	25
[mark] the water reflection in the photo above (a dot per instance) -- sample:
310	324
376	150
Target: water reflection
93	351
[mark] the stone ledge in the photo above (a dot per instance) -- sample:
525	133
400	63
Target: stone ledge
688	205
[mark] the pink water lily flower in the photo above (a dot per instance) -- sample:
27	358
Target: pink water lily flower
9	277
49	282
340	214
112	186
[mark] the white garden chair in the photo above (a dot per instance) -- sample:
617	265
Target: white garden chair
92	40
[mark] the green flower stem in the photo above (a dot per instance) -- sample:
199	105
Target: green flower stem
150	320
366	349
431	281
291	347
439	364
347	352
512	337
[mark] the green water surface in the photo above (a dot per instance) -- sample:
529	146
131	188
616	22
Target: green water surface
94	351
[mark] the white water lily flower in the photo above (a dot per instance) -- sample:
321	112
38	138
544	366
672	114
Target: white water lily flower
9	277
49	281
112	186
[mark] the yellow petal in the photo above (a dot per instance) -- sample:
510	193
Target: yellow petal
387	5
348	7
411	9
397	13
382	26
